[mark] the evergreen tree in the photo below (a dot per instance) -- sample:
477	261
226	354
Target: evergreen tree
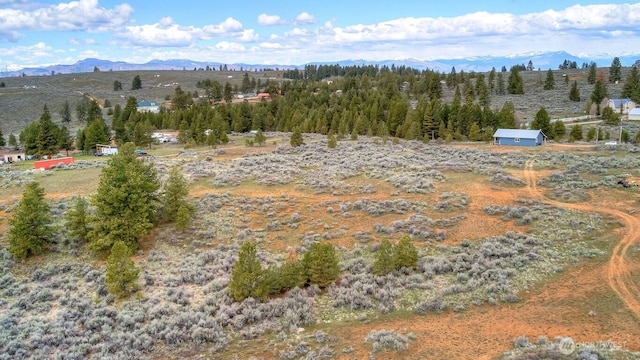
542	121
47	138
549	82
259	138
515	84
331	141
76	219
247	275
599	93
501	90
65	142
615	71
136	83
13	142
296	138
121	276
321	264
610	116
475	133
125	202
405	254
559	130
95	133
2	140
173	196
384	262
591	134
30	228
576	133
117	86
631	87
184	217
80	139
65	113
591	77
574	93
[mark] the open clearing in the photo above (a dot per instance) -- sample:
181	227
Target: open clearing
513	241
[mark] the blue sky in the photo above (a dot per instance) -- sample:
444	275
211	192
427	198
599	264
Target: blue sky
36	33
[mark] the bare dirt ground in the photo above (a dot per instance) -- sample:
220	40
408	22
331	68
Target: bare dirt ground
559	307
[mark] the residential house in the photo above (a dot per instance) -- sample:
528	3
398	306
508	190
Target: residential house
519	137
621	106
148	106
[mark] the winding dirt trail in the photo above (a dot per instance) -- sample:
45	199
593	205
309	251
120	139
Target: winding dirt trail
618	270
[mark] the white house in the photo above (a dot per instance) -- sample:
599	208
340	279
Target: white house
634	114
621	106
148	106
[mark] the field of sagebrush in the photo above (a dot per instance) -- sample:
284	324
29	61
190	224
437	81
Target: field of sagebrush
483	242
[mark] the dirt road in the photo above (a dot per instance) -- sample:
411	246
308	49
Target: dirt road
618	271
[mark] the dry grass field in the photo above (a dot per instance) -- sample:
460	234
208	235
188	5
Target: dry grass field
539	243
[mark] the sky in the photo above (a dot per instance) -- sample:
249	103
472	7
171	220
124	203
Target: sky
286	32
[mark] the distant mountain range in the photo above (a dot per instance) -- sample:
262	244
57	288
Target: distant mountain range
543	61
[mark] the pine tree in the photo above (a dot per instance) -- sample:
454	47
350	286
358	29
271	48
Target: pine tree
576	133
30	226
515	83
615	71
76	219
631	87
2	140
47	137
574	93
13	142
121	276
559	130
321	264
65	113
331	141
136	83
260	139
549	82
475	133
599	93
184	217
542	121
405	254
173	195
591	76
125	202
296	138
247	276
384	262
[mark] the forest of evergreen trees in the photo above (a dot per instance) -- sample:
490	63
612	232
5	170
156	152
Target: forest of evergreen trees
400	102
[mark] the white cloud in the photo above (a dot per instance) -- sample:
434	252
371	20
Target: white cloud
304	18
270	20
229	46
167	33
81	15
249	35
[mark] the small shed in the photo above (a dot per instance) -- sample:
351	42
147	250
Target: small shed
519	137
634	114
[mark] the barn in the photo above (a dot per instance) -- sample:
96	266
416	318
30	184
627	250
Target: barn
519	137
